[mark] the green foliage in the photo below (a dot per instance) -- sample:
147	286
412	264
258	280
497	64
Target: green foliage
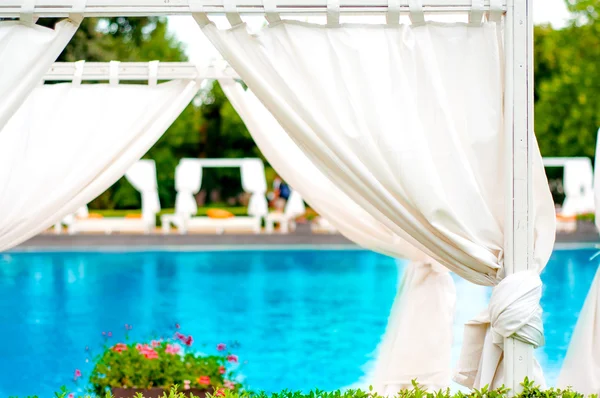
530	390
161	364
567	83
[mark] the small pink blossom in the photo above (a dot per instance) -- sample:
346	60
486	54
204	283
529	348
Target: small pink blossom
119	347
220	393
71	395
221	347
188	341
222	369
77	374
155	343
186	384
109	334
177	326
229	384
232	358
172	349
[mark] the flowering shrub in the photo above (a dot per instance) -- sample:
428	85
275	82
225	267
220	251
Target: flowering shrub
163	364
530	390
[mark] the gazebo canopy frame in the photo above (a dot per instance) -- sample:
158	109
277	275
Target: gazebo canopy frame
518	95
138	71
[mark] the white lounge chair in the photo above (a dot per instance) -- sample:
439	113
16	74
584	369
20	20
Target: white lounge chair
188	176
142	175
294	208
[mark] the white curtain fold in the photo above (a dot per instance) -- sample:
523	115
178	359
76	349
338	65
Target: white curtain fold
580	369
68	143
188	180
424	285
420	322
597	182
407	123
26	53
294	207
255	183
142	175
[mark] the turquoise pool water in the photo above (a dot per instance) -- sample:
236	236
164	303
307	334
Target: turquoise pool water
302	319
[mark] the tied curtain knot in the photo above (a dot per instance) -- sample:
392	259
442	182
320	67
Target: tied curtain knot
515	309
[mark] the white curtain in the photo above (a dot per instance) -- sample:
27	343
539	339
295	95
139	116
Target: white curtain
407	122
294	207
578	184
188	180
255	183
68	143
597	182
432	286
26	53
142	175
581	369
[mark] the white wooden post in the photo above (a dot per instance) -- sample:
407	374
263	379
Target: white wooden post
518	356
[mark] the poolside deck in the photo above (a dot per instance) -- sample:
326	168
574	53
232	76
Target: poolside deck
303	236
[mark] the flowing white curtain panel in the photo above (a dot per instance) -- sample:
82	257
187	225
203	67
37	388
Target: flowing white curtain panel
68	143
188	180
255	183
581	369
142	175
406	352
26	53
407	122
597	181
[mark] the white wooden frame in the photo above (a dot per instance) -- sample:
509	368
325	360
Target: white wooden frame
518	123
130	8
518	356
140	71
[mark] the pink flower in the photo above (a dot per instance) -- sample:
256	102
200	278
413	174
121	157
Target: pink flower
220	393
180	336
188	341
229	384
120	347
221	347
109	334
186	384
204	380
155	343
222	369
77	374
151	354
172	349
71	395
232	358
177	326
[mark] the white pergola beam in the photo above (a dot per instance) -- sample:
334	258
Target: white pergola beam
138	71
132	8
518	123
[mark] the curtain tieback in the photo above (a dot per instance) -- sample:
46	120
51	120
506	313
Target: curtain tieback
515	309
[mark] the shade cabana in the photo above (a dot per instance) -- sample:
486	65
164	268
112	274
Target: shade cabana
507	239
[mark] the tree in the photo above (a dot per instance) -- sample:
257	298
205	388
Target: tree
567	85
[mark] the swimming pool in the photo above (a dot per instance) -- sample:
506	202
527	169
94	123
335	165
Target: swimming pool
303	319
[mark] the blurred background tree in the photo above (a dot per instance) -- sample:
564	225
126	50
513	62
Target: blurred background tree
567	83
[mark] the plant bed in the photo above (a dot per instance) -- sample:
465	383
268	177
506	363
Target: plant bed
156	392
156	367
